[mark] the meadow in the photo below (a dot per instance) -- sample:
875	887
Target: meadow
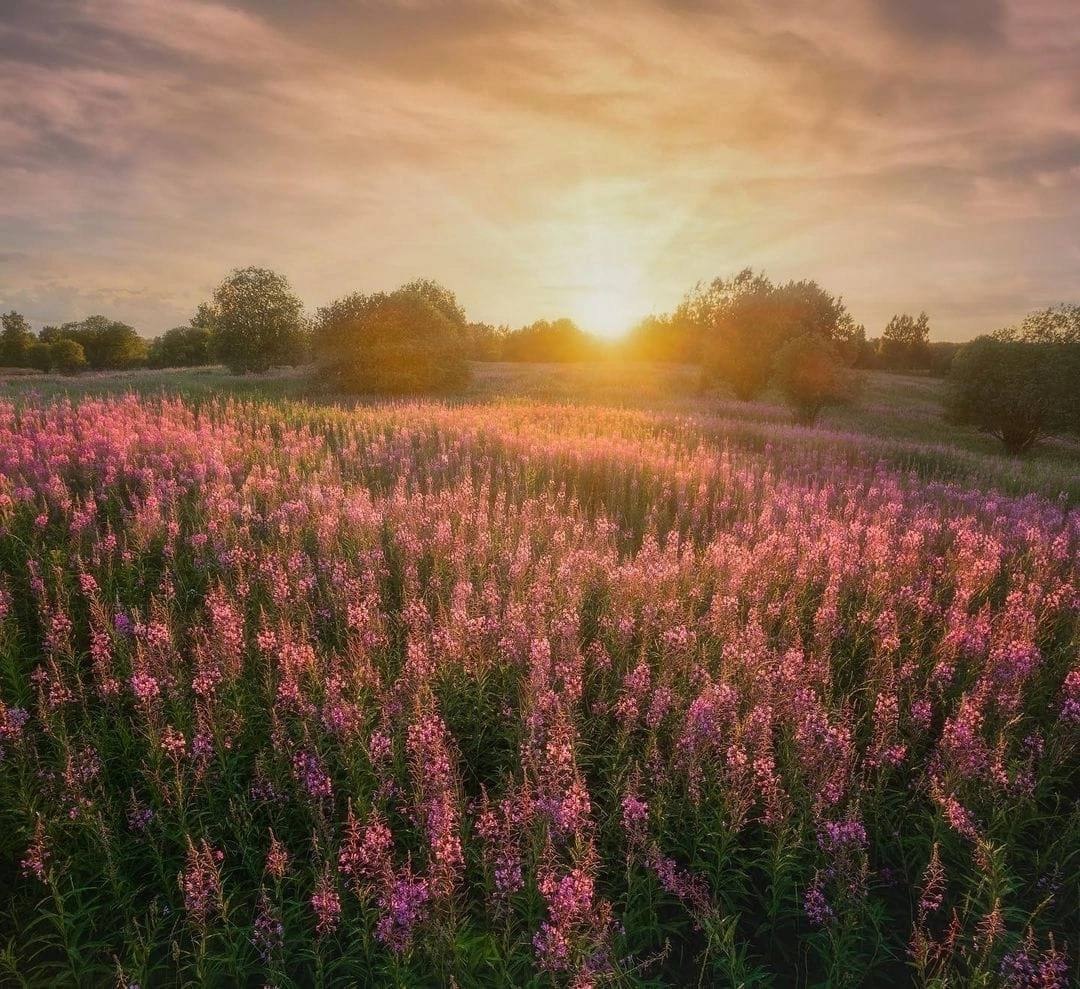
581	679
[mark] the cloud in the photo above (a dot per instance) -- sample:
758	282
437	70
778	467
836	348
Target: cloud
510	149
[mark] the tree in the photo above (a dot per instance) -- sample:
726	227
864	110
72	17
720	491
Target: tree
810	374
560	340
484	341
440	298
40	356
107	344
1056	324
742	322
16	340
1016	391
905	342
256	320
182	346
395	343
67	356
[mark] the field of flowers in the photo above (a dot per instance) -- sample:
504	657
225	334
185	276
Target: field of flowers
523	694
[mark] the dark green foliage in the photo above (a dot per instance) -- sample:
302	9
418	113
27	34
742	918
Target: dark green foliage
905	343
257	321
16	340
67	356
404	342
108	344
1017	391
182	346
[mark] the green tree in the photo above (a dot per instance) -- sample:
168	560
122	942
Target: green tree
396	343
741	323
182	346
905	342
1015	390
107	344
16	340
1056	324
256	320
67	356
40	356
810	374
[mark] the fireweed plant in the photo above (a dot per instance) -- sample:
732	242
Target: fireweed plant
523	695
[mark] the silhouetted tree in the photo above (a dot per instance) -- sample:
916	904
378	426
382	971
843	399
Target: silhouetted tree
905	342
665	338
256	320
16	340
560	341
1056	324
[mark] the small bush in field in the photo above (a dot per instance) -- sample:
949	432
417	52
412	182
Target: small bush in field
809	373
67	356
394	343
1016	390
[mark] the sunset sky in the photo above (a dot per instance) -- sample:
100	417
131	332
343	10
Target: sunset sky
591	159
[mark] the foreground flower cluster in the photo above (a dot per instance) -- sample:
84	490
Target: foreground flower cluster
523	694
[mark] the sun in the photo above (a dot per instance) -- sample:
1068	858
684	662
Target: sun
609	301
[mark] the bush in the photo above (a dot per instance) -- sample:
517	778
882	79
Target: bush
182	346
810	374
67	356
1016	391
397	343
256	320
39	356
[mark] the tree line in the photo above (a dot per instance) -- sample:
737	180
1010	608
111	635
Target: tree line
745	332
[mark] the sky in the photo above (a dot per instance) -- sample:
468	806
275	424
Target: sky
586	158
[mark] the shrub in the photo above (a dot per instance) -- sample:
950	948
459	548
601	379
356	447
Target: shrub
182	346
257	321
67	356
39	356
396	343
809	373
1014	390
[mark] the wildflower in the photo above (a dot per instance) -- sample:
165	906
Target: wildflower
268	933
200	882
403	907
277	858
326	902
35	861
